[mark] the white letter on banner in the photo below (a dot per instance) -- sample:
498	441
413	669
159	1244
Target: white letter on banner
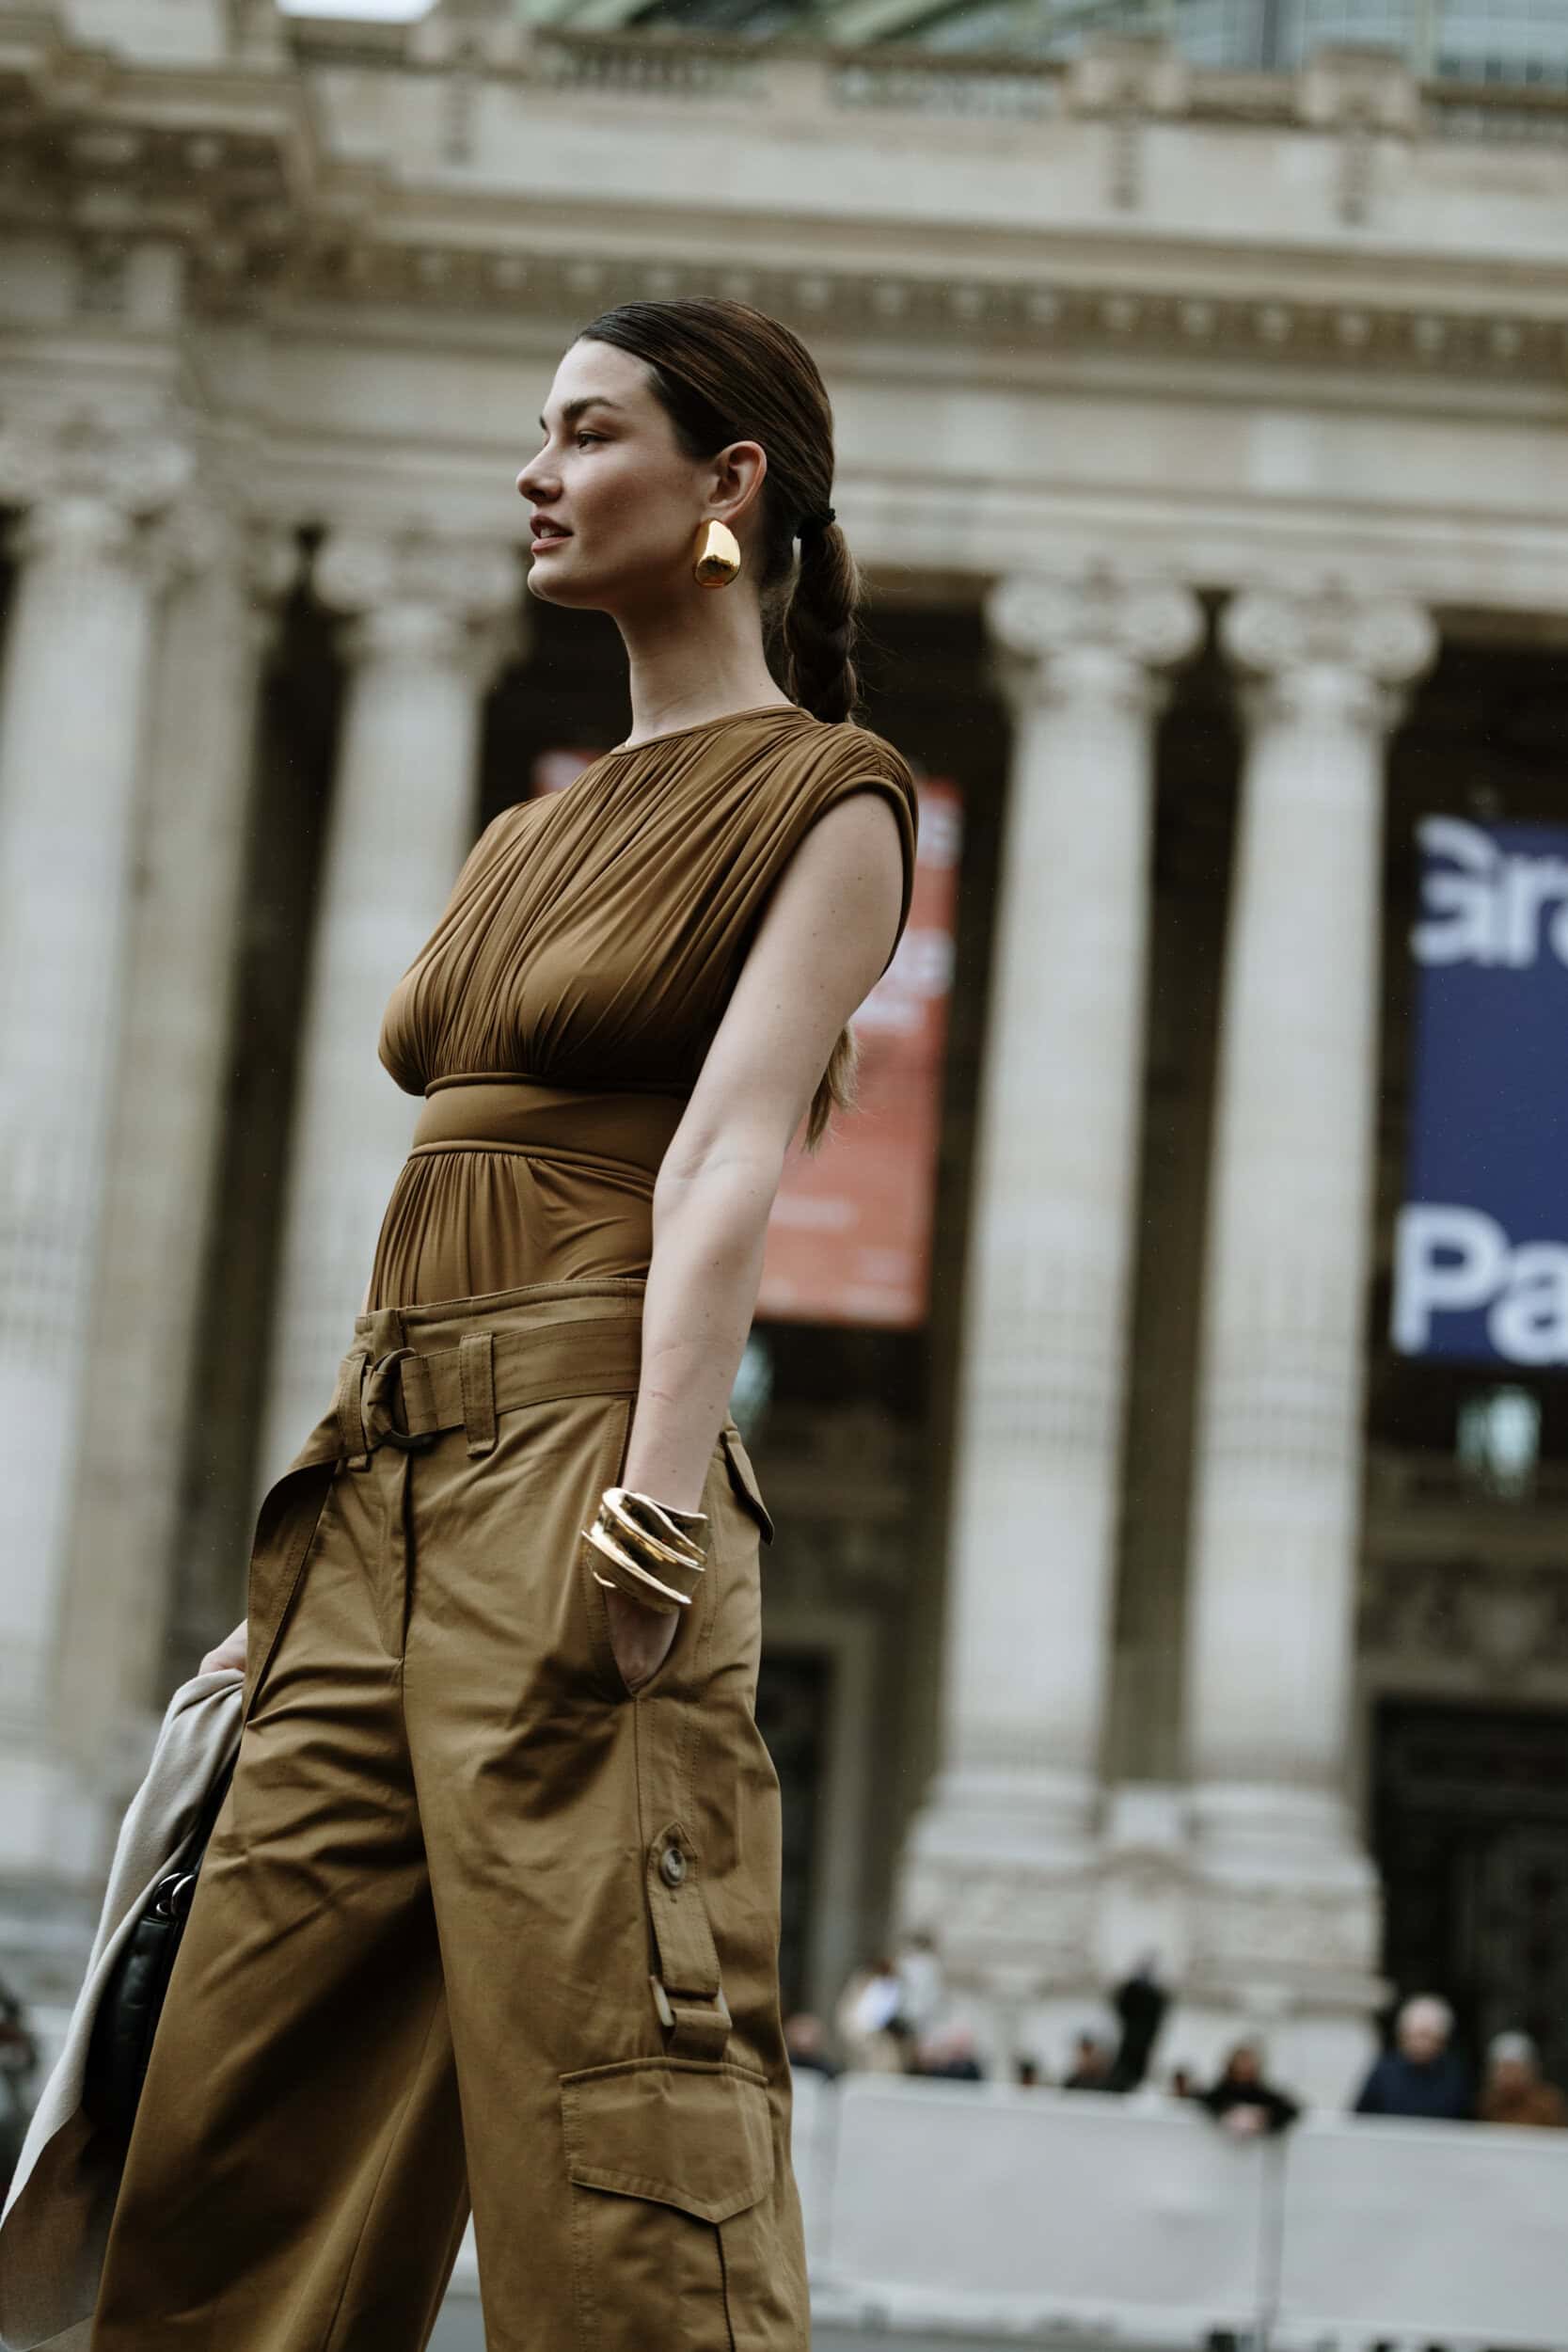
1467	902
1529	883
1476	1248
1529	1323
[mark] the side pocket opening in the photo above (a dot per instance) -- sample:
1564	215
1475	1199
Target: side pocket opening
743	1478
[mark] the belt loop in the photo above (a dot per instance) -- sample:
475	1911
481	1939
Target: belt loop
477	1371
351	1419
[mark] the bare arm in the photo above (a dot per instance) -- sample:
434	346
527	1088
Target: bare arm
822	944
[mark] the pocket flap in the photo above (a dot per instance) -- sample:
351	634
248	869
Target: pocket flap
743	1478
681	2132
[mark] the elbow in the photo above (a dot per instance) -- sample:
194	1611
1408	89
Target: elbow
729	1189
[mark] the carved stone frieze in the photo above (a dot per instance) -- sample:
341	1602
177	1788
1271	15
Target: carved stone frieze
1030	1929
1288	1930
1164	320
1504	1624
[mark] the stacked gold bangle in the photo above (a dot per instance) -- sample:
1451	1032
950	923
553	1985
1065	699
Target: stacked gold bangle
653	1552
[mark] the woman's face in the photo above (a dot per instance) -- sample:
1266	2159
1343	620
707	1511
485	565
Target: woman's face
614	502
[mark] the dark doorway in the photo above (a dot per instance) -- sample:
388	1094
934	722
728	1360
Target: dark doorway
1470	1828
794	1693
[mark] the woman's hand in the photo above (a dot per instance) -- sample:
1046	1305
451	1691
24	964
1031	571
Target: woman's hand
229	1651
640	1638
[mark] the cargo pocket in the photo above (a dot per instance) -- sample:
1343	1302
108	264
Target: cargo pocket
743	1478
671	2166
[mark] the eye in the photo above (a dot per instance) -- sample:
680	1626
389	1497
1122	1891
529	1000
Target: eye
586	436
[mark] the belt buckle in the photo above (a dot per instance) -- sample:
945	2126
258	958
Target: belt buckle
380	1427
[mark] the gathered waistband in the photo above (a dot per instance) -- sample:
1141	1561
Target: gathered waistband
521	1115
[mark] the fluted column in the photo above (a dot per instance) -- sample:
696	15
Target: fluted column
998	1857
1279	1426
428	621
230	577
72	698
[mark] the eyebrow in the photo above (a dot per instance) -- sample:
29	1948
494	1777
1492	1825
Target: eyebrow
573	408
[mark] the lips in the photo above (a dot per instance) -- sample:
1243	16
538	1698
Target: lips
544	530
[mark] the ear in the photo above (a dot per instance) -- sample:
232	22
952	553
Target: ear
736	479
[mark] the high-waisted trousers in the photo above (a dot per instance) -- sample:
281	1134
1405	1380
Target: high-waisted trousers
475	1920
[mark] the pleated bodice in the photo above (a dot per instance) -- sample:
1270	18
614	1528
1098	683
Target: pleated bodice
557	1015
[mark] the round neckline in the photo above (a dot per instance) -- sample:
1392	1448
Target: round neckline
673	734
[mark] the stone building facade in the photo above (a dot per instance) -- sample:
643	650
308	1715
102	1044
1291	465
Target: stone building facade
1201	433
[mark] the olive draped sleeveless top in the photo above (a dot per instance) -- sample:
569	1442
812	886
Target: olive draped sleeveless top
558	1016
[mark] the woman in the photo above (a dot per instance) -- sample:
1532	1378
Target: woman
491	1908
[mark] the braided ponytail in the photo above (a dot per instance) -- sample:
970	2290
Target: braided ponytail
724	372
820	628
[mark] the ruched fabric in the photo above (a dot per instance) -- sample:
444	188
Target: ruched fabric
558	1016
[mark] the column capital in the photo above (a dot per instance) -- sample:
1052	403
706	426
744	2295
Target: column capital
1359	648
84	486
205	534
1094	626
414	594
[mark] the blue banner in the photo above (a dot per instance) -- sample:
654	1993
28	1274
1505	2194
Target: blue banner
1481	1254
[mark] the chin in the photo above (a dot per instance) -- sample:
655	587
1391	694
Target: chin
546	582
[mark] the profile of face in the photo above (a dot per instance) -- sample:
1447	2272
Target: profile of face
616	501
1423	2030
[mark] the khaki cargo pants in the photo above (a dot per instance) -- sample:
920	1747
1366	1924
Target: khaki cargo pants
475	1921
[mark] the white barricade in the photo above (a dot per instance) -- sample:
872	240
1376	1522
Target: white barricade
1442	2232
994	2212
813	2134
980	2206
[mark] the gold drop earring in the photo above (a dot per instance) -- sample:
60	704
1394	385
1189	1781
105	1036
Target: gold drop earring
718	556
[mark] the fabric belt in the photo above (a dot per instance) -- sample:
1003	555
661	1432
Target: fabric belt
407	1399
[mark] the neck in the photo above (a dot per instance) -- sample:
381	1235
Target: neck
687	665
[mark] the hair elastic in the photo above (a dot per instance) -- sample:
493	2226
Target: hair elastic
820	522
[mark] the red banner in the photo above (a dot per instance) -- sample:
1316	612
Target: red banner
850	1235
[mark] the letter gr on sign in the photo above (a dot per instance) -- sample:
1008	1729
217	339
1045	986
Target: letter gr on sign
1481	1253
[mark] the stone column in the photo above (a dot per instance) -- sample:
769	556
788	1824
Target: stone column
230	579
1287	1896
72	707
998	1861
430	621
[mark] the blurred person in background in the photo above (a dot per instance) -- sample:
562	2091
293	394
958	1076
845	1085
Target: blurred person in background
1514	2090
528	1488
1244	2101
1091	2064
1140	2002
872	2032
949	2056
1026	2073
1423	2076
923	1986
806	2040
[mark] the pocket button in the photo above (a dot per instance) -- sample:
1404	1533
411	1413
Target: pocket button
672	1865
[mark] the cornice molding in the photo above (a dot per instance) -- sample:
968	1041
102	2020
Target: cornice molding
230	163
1509	345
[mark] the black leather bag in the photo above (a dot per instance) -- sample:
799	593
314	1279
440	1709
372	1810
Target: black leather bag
127	2015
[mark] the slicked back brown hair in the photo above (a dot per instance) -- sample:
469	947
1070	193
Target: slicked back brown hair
724	371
